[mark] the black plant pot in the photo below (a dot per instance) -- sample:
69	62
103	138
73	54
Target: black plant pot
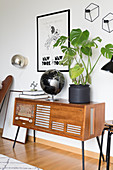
79	94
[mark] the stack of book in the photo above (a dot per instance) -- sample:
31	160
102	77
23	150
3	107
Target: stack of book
33	94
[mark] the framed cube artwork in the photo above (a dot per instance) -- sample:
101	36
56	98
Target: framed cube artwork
49	28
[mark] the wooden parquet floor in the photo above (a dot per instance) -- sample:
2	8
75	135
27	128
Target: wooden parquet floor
47	158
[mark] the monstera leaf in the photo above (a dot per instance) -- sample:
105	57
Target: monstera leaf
107	51
67	61
97	39
87	51
88	43
77	36
60	41
68	50
76	71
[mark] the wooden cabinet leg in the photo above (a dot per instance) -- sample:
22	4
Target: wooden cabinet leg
83	155
16	136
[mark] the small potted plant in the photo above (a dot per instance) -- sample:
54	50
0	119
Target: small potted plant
78	58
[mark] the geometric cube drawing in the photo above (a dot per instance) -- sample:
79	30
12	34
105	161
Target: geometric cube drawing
91	12
107	23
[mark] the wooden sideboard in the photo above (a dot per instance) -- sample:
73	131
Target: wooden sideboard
77	121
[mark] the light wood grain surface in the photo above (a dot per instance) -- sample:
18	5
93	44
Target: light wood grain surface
65	119
46	157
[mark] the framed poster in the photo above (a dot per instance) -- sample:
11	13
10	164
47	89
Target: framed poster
49	28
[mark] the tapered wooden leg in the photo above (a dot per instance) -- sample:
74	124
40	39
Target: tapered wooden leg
16	136
83	155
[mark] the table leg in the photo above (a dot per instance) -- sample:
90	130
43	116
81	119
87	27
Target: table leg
108	149
101	149
107	144
83	155
34	135
16	136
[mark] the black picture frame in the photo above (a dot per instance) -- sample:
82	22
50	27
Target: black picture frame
49	28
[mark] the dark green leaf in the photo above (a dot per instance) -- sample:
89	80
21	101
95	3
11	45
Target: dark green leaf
77	36
87	51
60	41
97	39
70	51
107	51
95	44
64	49
88	43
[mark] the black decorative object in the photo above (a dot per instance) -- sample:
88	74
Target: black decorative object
109	66
91	12
34	85
107	23
52	82
79	94
49	29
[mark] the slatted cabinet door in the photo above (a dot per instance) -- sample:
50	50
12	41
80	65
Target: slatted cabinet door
68	120
42	116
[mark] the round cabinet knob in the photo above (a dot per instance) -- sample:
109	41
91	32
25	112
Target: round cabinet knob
30	121
16	118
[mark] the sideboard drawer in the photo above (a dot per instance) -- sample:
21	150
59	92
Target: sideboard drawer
68	114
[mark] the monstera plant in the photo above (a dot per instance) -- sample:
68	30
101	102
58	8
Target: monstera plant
78	57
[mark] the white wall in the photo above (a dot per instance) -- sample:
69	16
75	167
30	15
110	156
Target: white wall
18	36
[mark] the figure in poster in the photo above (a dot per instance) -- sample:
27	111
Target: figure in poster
52	37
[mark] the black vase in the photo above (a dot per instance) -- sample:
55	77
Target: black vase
79	94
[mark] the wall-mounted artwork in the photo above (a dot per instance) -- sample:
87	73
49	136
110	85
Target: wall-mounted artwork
91	12
49	28
107	23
